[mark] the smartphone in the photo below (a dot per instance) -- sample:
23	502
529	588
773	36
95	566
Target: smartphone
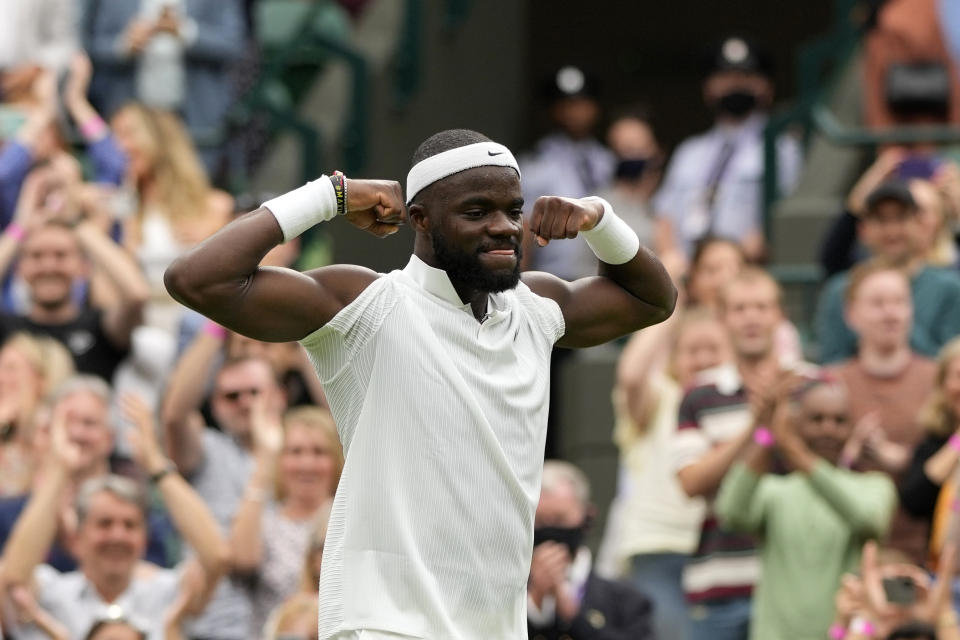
922	166
900	590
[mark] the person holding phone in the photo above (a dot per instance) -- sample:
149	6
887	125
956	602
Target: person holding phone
896	600
168	54
812	521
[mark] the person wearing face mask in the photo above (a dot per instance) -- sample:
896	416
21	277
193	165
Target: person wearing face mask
813	521
568	162
637	171
714	182
565	599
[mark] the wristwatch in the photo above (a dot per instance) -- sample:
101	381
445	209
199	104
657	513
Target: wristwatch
167	469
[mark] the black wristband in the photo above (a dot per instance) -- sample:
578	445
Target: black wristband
154	478
339	182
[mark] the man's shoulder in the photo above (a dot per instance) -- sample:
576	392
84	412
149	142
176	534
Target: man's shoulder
942	278
58	584
696	143
836	284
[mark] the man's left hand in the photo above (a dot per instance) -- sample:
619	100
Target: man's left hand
555	218
548	569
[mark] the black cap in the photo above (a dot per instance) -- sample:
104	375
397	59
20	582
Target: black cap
739	53
570	81
890	191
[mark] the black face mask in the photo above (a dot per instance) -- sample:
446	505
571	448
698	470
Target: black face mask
571	537
631	168
737	103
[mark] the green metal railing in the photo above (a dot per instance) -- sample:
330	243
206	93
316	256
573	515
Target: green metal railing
297	40
810	111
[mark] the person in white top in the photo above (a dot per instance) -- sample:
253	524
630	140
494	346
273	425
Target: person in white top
436	375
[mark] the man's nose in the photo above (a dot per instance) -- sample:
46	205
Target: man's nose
502	223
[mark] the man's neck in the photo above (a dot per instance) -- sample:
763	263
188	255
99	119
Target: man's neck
911	265
96	470
109	587
884	363
638	190
54	314
753	367
476	298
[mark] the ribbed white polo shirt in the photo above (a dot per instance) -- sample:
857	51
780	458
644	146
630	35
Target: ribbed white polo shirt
443	421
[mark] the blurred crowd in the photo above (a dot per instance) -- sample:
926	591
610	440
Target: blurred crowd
165	478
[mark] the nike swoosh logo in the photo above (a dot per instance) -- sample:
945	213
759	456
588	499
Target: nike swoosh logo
491	153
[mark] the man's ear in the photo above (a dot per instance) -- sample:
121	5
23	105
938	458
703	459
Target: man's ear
419	220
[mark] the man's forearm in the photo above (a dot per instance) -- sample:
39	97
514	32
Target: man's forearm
35	530
246	540
195	523
798	456
703	477
185	393
116	262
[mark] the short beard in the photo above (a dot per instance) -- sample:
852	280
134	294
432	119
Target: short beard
467	270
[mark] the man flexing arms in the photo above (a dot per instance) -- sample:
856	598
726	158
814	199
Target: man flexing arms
437	374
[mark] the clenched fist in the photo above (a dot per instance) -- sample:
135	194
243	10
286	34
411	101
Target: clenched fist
555	217
375	206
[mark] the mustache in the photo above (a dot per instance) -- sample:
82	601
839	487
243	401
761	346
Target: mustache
500	246
114	546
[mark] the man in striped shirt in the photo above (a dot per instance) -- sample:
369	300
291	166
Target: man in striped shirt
437	374
719	419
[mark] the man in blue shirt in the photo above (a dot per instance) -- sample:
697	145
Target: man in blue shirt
889	228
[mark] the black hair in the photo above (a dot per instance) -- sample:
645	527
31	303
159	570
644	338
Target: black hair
894	190
445	141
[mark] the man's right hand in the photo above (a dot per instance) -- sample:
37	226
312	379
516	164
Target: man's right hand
375	206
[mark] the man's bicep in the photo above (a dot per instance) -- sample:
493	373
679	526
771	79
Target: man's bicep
283	305
595	309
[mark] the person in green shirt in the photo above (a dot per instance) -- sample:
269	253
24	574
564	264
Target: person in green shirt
813	521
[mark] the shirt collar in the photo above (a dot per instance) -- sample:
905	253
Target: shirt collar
726	378
747	128
434	281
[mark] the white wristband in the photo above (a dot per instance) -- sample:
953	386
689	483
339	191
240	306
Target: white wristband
612	240
298	210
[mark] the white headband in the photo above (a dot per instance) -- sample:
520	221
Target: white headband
438	167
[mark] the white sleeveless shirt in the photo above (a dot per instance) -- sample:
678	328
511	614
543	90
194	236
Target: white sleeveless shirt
443	421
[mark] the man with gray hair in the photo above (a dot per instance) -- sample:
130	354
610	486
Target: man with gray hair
84	401
109	539
565	599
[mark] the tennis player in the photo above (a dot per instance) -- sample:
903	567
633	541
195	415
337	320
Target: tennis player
437	374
